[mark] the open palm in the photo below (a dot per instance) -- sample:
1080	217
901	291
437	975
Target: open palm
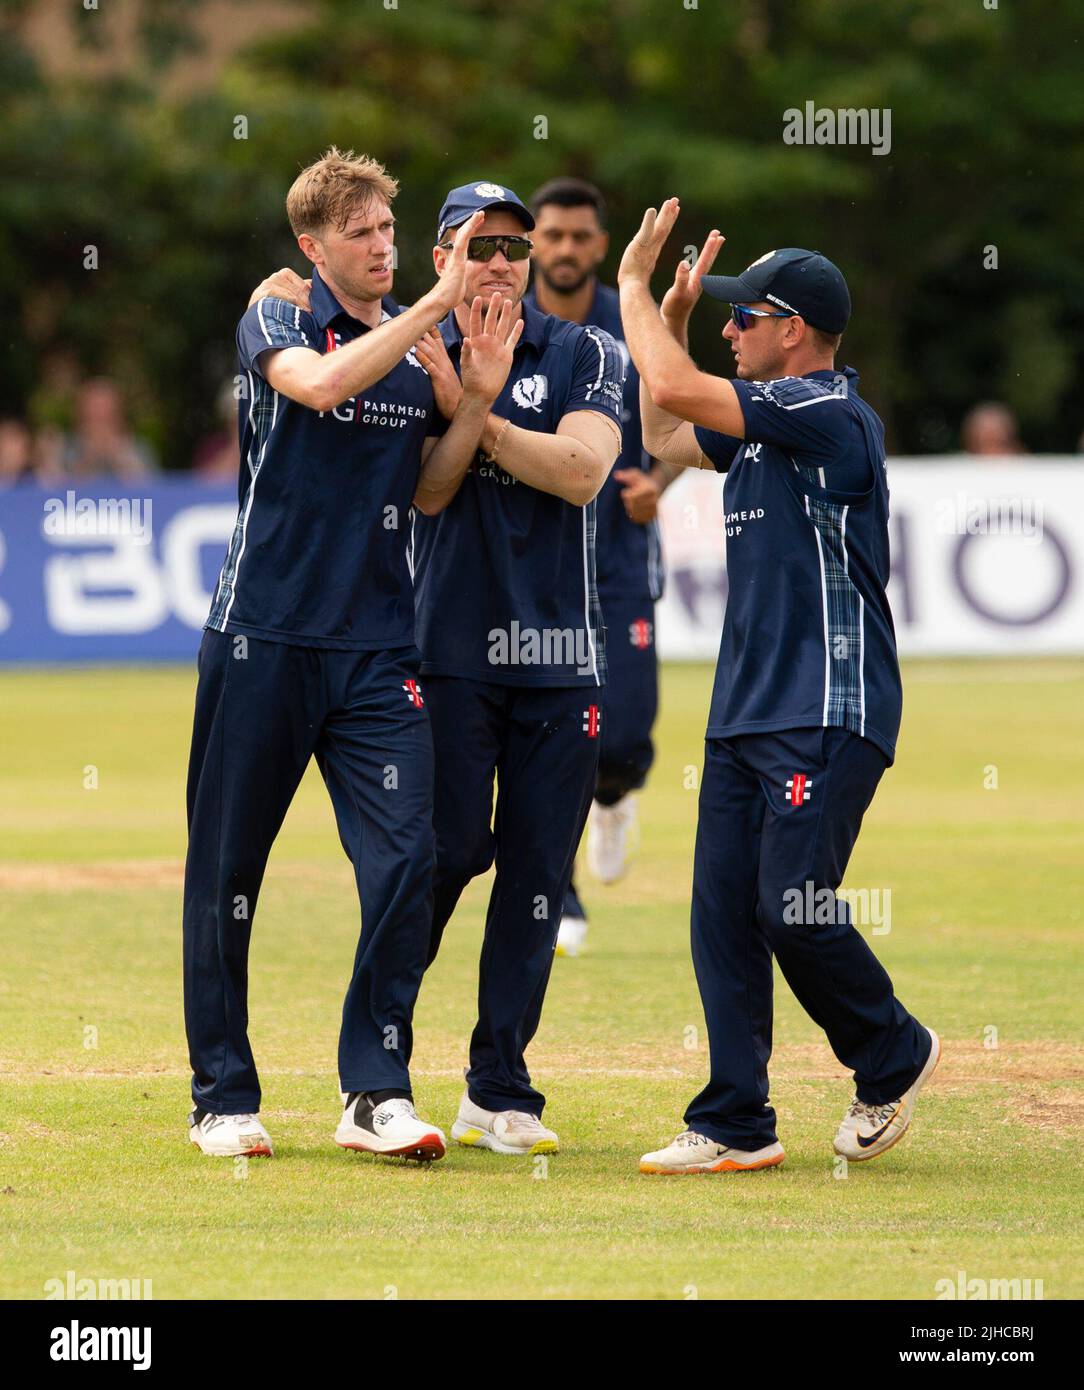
681	297
489	346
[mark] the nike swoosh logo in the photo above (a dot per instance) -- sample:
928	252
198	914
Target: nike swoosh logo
865	1140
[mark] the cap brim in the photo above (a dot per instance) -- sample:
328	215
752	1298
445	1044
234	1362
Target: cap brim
730	288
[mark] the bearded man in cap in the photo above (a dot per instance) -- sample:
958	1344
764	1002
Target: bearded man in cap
807	698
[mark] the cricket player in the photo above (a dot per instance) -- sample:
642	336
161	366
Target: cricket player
570	243
309	650
807	698
512	652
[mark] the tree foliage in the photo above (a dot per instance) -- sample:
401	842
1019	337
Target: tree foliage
647	98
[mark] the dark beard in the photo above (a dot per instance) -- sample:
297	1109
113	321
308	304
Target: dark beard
563	289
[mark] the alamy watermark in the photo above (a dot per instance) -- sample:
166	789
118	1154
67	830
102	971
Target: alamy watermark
84	1287
1005	1290
75	1343
811	906
99	516
848	125
547	646
962	515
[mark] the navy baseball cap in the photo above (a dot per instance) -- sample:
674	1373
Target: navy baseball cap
472	197
803	282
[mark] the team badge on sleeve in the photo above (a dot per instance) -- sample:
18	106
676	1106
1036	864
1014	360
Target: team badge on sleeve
413	693
798	788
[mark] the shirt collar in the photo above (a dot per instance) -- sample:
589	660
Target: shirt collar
325	307
832	373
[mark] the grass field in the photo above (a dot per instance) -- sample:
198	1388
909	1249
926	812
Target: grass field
97	1177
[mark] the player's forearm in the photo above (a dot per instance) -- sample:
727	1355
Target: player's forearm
670	441
666	428
329	380
443	471
678	328
560	464
674	382
662	361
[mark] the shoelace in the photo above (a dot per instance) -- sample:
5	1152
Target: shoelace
690	1139
523	1119
218	1119
877	1113
397	1106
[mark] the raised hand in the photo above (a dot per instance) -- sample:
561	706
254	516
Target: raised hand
489	346
642	252
452	286
681	297
284	284
433	355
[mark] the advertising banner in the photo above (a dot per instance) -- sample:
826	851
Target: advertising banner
987	560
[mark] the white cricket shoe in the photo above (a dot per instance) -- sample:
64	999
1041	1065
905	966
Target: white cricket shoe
696	1153
502	1131
228	1136
870	1130
611	838
571	936
390	1127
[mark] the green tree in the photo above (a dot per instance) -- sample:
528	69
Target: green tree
646	97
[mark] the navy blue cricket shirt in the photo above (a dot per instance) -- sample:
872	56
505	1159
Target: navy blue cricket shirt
318	554
629	556
807	638
505	575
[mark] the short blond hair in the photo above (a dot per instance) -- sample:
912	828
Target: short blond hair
331	190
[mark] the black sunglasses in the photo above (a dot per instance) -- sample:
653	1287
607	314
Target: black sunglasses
484	248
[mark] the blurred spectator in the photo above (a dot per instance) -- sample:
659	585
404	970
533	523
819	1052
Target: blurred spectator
991	428
16	453
218	456
101	443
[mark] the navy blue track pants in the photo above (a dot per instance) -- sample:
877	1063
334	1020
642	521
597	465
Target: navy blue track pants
263	709
541	745
779	816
